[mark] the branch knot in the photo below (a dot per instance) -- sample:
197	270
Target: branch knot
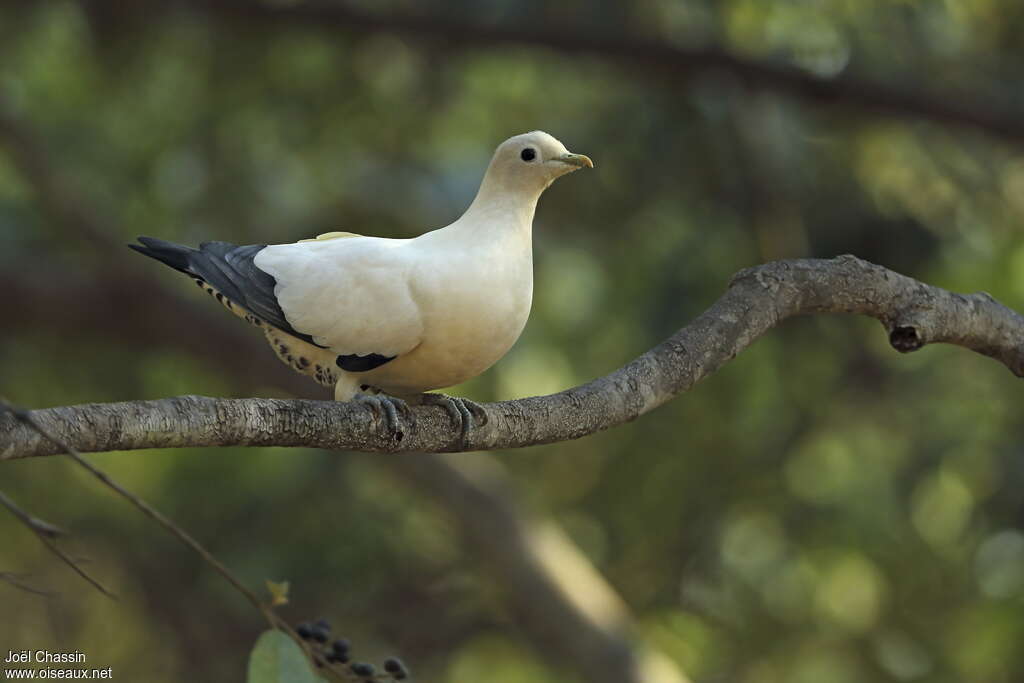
914	314
904	338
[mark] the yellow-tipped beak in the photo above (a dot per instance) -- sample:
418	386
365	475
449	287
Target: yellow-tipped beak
579	160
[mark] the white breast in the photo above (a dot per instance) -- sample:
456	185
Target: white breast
474	301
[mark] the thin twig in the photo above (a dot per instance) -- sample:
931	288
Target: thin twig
69	208
26	417
15	580
272	617
37	525
45	531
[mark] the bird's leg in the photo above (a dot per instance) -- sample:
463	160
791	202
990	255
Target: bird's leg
391	406
462	410
380	403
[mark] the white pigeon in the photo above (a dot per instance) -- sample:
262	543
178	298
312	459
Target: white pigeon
384	320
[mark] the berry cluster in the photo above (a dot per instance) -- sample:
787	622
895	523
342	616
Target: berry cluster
339	652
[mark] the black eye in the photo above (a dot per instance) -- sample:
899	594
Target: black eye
528	154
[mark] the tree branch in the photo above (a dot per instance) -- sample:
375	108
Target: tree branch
29	421
758	299
567	608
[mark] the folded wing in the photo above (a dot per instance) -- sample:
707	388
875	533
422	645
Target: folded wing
352	295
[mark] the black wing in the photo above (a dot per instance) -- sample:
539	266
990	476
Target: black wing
230	269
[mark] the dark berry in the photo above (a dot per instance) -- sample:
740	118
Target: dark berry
323	623
341	645
363	669
305	631
393	665
331	657
319	634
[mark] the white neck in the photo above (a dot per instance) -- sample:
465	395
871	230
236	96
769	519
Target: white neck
502	205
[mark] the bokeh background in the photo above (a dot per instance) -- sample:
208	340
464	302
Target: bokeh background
821	509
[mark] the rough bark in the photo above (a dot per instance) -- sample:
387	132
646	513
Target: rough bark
914	314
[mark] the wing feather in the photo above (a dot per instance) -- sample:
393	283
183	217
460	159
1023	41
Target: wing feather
350	295
230	269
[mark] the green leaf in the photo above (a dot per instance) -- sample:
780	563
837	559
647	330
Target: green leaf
278	592
277	659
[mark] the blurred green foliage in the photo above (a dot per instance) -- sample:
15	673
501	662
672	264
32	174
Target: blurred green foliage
822	509
277	659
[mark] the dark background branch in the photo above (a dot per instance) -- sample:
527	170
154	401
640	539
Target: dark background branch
669	63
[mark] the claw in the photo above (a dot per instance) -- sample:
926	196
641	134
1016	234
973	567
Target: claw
477	411
461	410
390	407
404	408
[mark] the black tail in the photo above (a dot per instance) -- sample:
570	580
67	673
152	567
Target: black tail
227	267
174	255
231	270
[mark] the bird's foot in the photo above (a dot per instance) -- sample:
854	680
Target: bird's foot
464	413
389	407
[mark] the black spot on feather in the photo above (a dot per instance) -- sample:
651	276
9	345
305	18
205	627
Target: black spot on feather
355	363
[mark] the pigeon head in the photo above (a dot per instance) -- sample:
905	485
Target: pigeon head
530	162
